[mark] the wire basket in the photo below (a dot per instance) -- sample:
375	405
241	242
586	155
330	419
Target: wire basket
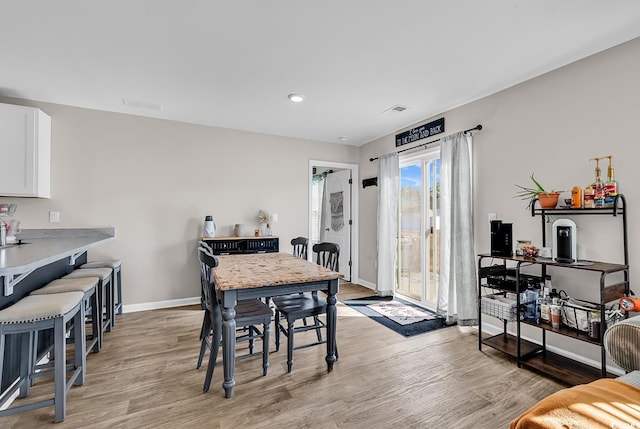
497	305
579	315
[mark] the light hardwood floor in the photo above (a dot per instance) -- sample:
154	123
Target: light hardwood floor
145	377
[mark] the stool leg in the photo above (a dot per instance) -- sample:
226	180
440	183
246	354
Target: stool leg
96	322
26	365
80	361
60	397
119	289
109	304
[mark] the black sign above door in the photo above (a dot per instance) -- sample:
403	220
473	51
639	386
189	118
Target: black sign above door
421	132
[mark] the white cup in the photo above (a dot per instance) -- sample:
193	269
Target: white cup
544	252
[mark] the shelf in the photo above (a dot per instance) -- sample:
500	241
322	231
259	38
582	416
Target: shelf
601	267
602	211
567	371
506	343
609	211
563	330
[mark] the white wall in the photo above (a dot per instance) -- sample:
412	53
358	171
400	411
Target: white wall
155	180
551	126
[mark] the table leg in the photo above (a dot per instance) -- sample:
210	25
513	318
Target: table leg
229	299
331	324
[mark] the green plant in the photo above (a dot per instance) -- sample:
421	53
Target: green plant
531	193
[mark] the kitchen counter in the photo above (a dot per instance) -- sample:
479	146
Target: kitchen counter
45	246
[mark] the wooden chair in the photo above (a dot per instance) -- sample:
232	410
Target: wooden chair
290	308
249	314
300	245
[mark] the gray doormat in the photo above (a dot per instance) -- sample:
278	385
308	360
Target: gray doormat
411	319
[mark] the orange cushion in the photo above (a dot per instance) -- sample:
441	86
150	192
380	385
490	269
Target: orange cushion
604	403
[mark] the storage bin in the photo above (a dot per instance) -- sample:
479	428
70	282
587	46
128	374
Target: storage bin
497	305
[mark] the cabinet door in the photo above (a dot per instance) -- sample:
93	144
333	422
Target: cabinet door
25	144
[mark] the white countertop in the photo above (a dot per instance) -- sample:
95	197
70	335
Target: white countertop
43	247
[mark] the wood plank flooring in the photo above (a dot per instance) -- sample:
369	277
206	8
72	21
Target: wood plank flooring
145	377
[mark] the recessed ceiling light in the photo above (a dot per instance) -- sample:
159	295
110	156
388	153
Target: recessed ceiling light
342	138
296	98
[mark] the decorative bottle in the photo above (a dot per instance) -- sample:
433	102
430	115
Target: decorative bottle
238	231
611	185
598	187
576	197
209	229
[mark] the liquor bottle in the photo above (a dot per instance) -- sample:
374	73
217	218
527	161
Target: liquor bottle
598	187
611	185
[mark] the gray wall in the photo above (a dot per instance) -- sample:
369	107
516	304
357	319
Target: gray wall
551	126
155	180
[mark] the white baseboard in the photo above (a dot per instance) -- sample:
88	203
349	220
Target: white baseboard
132	308
493	330
365	283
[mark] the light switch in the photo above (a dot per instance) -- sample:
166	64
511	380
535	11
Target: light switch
274	217
54	216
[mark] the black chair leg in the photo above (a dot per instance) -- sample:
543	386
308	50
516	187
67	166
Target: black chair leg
213	357
277	318
204	338
265	347
318	329
290	345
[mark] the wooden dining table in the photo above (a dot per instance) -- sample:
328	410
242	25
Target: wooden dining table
266	275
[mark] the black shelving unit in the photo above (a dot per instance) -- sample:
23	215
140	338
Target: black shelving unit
535	355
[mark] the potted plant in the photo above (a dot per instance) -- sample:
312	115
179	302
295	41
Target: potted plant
547	199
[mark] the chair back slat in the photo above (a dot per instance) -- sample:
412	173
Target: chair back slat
327	255
300	247
207	263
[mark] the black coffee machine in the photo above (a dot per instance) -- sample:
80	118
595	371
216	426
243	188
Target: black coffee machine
501	238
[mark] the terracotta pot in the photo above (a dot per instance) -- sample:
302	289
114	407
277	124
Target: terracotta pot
548	200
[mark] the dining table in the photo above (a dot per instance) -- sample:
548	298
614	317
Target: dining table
262	275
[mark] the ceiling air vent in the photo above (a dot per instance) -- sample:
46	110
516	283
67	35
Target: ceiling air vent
396	108
142	104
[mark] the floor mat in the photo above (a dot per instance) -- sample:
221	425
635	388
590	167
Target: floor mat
401	316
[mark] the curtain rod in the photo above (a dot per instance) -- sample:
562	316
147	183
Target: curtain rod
477	127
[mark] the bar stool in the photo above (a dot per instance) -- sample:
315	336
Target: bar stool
105	293
31	315
116	279
89	287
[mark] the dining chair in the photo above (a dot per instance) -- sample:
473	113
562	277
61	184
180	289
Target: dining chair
300	245
290	308
249	313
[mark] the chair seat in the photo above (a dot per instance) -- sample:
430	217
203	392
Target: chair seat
82	284
41	307
101	273
300	305
106	263
252	309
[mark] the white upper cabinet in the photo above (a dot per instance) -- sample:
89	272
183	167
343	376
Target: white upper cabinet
25	150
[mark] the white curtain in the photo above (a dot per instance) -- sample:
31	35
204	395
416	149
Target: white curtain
457	293
388	189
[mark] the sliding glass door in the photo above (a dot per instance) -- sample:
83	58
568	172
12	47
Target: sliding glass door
419	227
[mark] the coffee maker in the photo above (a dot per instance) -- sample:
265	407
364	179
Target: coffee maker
564	241
501	238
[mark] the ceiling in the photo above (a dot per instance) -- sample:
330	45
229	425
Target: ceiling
232	64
